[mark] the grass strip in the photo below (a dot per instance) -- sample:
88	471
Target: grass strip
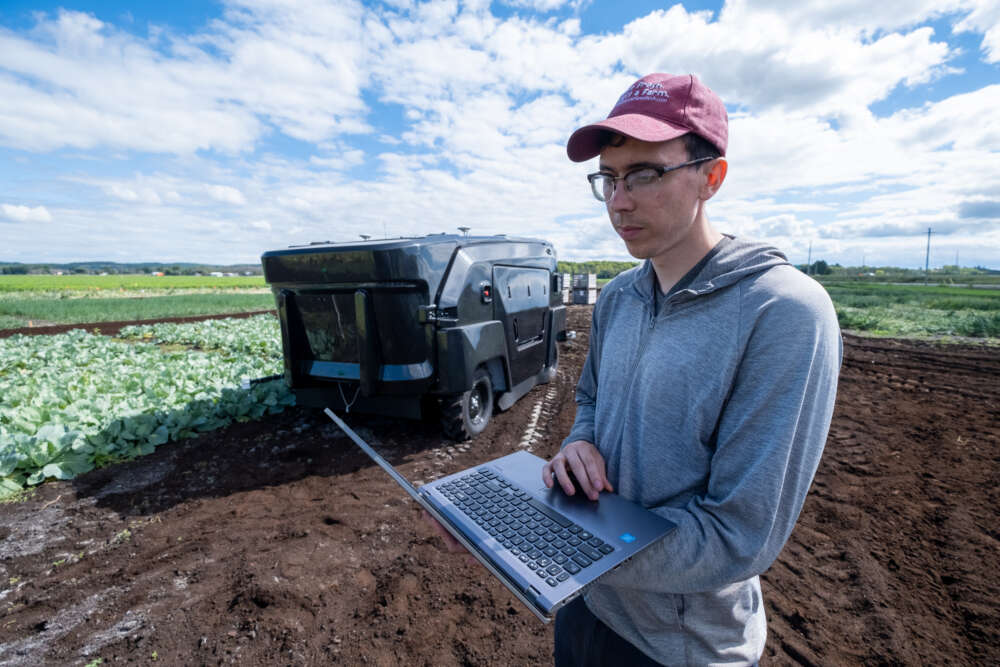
15	312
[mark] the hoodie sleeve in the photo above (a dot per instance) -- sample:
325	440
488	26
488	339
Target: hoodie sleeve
770	436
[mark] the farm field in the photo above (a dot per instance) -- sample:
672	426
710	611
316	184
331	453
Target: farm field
875	308
95	283
885	309
276	542
47	300
19	311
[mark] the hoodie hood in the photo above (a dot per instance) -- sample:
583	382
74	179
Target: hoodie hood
736	259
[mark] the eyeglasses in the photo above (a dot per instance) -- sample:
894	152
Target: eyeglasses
636	180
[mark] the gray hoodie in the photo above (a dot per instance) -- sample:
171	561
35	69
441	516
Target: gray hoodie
712	410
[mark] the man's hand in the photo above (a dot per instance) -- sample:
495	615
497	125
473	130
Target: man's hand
586	464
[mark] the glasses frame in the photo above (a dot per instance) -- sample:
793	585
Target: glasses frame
659	169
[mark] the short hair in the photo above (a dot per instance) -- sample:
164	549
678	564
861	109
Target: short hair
697	146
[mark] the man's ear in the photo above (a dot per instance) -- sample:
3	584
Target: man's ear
714	177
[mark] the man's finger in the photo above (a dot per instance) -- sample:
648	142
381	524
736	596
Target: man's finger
581	476
560	470
588	482
562	473
597	478
548	474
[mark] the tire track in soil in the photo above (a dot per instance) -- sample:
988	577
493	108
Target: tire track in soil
890	562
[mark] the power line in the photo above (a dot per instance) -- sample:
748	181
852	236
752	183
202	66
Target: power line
927	257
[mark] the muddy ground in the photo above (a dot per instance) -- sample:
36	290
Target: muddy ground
277	542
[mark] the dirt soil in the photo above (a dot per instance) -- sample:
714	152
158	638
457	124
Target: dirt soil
277	542
112	328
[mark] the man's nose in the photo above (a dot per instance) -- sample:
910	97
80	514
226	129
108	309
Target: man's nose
621	198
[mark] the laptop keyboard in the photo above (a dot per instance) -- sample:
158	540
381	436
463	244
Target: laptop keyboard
551	545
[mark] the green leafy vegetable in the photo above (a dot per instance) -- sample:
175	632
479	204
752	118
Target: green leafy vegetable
74	401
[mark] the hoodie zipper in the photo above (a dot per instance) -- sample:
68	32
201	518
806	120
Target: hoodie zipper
643	333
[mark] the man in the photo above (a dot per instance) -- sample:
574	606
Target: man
706	395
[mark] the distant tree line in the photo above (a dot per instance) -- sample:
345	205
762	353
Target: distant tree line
607	269
603	268
93	268
817	268
946	274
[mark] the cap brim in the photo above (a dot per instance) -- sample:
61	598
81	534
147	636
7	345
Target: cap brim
588	141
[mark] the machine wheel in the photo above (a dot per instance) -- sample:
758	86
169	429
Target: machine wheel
465	415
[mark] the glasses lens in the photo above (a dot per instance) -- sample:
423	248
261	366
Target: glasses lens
602	185
641	178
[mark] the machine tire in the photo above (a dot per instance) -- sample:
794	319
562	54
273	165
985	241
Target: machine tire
465	415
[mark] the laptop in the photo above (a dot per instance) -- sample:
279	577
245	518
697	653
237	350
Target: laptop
544	546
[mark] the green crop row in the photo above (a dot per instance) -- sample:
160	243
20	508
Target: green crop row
17	311
917	310
45	283
934	296
74	401
916	321
259	335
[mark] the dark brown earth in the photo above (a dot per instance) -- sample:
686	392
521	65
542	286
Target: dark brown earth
277	542
111	328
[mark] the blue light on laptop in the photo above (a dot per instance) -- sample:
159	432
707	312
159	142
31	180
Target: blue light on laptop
627	537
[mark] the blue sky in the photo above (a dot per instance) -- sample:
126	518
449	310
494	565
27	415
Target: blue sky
213	131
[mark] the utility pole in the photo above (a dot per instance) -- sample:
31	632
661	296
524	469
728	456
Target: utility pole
809	261
927	257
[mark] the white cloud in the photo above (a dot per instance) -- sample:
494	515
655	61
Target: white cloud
86	86
480	110
965	121
343	159
543	5
765	60
76	81
226	194
985	19
126	193
20	213
853	15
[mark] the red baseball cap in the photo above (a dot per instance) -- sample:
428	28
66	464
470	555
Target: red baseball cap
657	107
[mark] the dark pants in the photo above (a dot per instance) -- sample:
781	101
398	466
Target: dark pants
582	640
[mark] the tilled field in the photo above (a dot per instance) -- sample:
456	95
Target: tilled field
276	542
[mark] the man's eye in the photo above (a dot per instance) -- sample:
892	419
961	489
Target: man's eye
642	177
